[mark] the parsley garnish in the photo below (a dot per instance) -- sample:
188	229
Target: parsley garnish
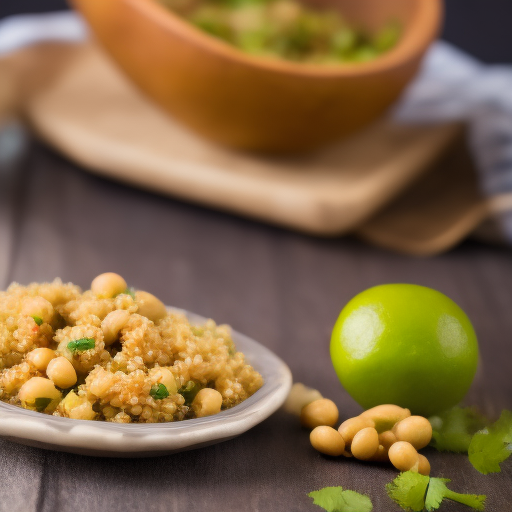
189	391
335	499
492	445
413	491
41	403
159	391
37	319
452	430
82	344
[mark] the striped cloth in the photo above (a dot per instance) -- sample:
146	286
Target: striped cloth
453	86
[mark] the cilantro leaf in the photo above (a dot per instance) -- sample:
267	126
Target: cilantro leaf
37	319
492	445
159	391
82	344
41	403
408	490
335	499
189	391
437	492
453	429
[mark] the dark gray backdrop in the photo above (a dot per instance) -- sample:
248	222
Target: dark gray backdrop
481	27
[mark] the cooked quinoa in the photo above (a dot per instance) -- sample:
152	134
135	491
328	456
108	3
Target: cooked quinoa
114	354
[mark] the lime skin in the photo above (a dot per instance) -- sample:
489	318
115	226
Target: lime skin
407	345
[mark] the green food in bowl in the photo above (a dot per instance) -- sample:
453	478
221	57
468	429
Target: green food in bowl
407	345
286	29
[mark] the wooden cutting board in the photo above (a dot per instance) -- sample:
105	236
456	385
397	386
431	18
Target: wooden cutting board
88	110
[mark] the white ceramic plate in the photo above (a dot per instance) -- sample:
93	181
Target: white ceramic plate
104	439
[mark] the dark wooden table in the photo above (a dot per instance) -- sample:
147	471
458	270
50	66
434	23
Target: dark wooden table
281	288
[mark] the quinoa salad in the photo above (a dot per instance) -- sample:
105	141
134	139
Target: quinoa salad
114	354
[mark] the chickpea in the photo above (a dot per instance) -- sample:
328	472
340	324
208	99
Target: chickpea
318	413
404	456
40	357
424	465
112	325
108	285
327	441
387	439
207	402
415	430
300	396
381	455
37	307
349	428
36	392
385	416
365	444
150	306
61	372
164	376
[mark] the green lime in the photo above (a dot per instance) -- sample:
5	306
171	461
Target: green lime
407	345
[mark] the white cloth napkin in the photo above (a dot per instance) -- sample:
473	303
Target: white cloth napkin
451	86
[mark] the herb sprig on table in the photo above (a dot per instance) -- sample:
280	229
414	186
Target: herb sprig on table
416	492
464	430
492	445
453	429
335	499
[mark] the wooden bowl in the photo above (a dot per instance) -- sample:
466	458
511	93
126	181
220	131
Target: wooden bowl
254	103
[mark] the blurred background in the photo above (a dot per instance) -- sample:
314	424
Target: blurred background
279	286
481	27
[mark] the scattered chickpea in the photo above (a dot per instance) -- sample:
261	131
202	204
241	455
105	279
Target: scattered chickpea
327	441
112	325
365	444
37	307
150	306
300	396
404	456
207	402
424	465
40	357
381	455
108	285
349	428
61	372
385	416
39	388
387	439
383	433
318	413
415	430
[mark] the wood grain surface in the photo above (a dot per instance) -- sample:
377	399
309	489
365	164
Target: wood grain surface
283	289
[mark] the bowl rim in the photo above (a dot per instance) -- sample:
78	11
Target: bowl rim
421	31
